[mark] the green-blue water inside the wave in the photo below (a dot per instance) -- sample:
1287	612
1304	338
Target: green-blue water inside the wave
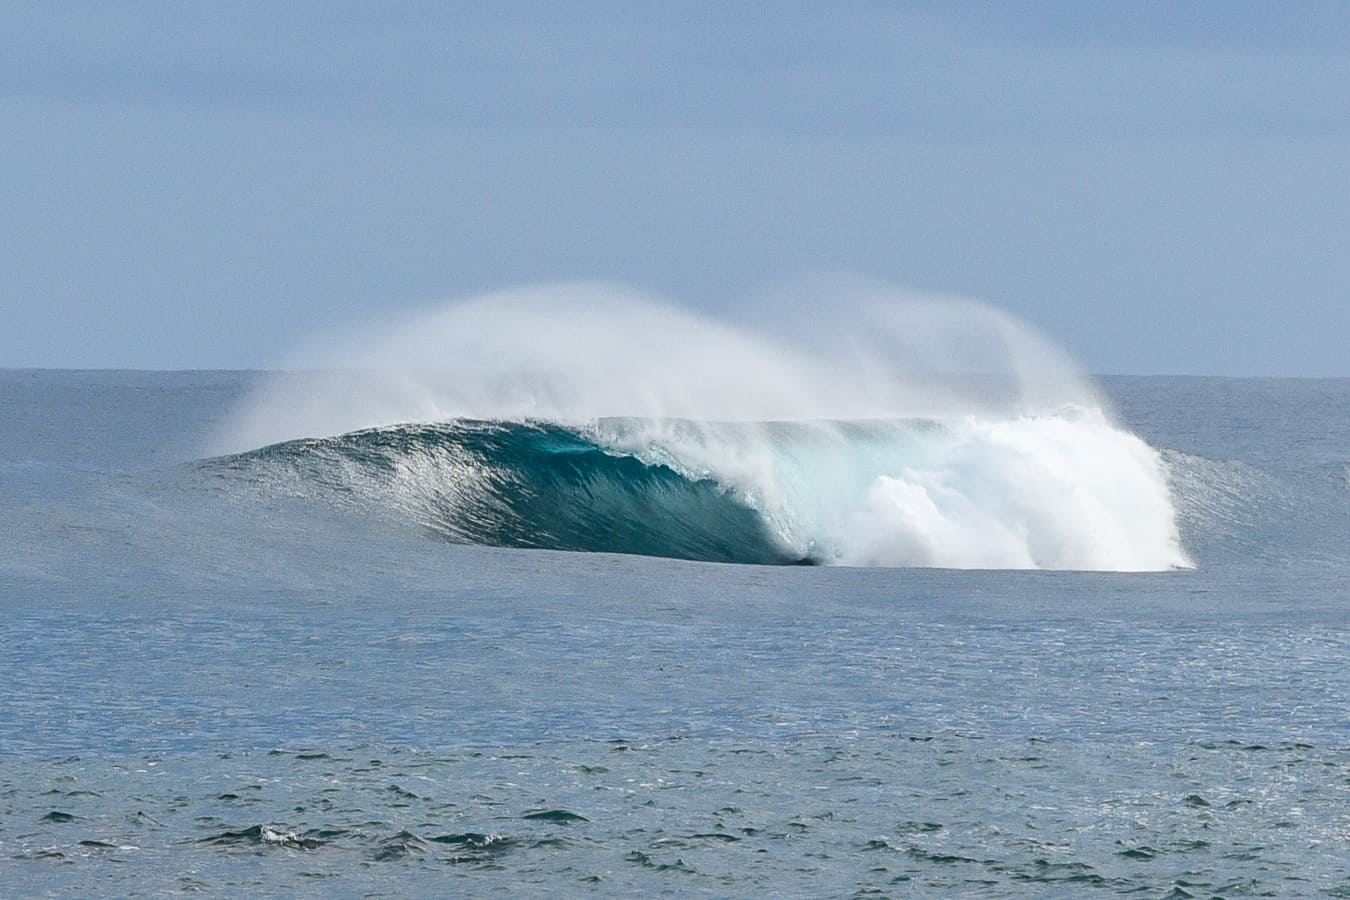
230	690
527	485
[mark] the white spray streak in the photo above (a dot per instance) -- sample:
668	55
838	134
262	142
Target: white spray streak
576	352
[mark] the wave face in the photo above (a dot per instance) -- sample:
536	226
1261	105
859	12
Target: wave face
531	485
1229	510
1068	491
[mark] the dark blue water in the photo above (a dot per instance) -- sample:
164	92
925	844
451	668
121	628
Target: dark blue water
235	680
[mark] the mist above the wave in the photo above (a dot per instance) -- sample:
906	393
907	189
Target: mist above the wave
810	349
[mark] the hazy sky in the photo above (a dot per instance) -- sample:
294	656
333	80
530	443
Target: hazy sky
1161	187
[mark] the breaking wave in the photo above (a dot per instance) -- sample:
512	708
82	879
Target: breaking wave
894	431
1063	492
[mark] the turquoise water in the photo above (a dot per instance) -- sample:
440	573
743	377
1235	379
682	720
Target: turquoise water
227	679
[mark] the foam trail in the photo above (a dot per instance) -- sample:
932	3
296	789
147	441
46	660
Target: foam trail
866	426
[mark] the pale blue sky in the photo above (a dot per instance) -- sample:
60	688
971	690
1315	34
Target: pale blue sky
1161	187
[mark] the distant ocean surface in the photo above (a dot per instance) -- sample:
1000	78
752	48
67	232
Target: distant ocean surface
480	657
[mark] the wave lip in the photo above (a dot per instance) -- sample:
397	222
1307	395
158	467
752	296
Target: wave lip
1066	491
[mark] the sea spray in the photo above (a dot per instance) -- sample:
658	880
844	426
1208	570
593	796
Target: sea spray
577	352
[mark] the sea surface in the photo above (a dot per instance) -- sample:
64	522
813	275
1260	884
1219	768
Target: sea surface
350	665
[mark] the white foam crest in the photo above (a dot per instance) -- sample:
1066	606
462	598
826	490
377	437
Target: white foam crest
1046	493
1063	491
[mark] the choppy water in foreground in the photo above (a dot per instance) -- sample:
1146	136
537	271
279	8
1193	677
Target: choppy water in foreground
212	689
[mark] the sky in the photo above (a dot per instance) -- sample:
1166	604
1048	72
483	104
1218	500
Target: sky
1162	188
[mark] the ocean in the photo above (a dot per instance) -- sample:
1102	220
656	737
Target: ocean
1073	655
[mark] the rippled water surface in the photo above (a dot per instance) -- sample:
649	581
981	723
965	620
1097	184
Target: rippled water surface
893	813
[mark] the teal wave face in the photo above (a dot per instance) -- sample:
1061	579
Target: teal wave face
529	485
